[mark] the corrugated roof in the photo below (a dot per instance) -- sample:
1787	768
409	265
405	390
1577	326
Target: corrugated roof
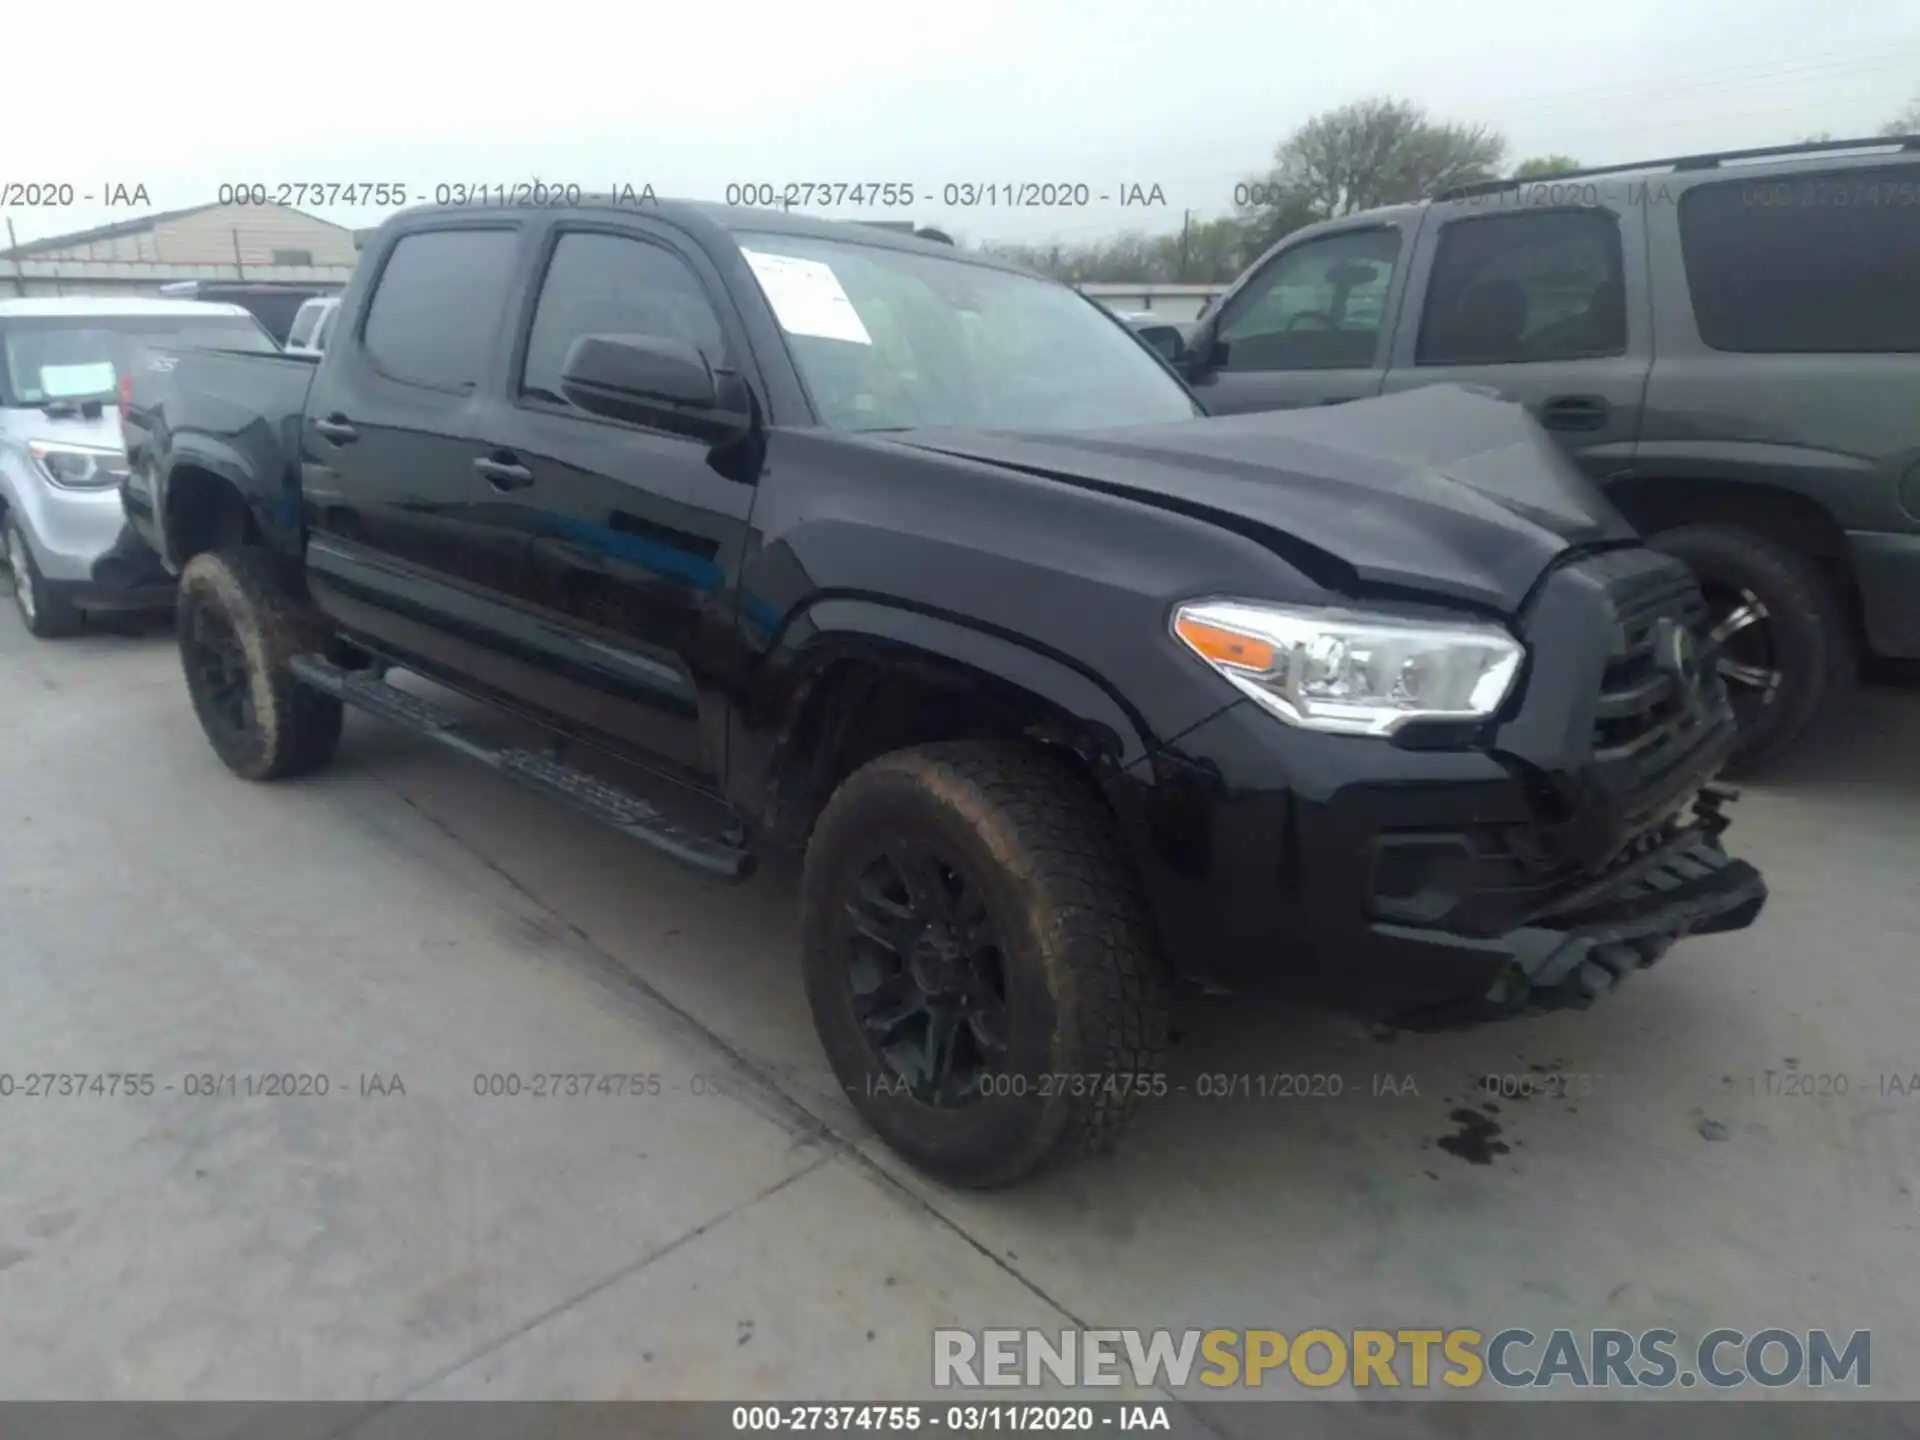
28	249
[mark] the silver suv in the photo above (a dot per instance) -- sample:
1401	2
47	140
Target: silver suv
63	366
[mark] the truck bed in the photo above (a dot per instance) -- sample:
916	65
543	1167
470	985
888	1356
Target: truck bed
233	414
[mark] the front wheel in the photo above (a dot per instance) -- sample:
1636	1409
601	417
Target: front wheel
979	962
43	610
1785	642
238	628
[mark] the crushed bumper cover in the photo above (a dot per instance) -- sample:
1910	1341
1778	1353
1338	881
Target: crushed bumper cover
1593	939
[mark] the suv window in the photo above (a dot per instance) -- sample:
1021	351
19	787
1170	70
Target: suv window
1317	306
438	306
326	327
1807	264
1508	289
615	285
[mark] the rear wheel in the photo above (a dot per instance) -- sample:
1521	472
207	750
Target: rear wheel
979	962
1786	646
238	629
43	610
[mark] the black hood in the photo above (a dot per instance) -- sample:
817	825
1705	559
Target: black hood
1440	490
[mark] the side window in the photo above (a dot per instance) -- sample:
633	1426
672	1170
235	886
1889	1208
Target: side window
1812	264
1508	289
437	310
326	327
1318	306
614	285
304	323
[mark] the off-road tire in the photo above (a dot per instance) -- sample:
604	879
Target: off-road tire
294	729
43	610
1087	989
1812	634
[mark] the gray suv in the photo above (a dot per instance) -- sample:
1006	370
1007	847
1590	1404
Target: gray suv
63	366
1729	343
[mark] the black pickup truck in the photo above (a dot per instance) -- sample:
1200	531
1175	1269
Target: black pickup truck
933	568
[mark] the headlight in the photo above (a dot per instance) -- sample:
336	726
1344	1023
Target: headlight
1350	673
78	467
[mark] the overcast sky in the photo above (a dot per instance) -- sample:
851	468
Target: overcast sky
1190	96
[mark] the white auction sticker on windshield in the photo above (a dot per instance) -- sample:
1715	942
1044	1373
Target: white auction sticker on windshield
807	297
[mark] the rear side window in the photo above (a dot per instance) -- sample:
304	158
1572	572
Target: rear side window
1509	289
1815	264
438	307
612	285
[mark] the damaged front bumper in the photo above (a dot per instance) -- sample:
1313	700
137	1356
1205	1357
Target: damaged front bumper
1587	944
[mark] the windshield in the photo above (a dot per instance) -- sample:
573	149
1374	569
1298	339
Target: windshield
82	357
889	340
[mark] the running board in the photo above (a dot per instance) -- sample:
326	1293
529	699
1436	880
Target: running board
711	854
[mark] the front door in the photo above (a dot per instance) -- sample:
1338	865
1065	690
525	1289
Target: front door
627	537
1309	327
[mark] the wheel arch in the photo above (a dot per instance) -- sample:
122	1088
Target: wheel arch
859	678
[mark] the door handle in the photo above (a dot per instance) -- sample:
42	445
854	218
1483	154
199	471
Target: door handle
1575	412
503	474
336	428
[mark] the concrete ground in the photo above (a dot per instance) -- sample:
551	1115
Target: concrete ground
406	922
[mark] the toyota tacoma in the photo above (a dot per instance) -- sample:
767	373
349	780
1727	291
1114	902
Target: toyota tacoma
871	548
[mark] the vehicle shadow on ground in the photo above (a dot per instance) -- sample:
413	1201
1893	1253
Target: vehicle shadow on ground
1870	738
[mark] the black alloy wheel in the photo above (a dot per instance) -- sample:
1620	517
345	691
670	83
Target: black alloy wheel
926	972
215	663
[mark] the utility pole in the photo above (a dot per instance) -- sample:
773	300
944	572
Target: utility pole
19	270
1186	228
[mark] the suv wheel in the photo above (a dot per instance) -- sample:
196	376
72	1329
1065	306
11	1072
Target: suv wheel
43	610
1785	641
238	629
979	962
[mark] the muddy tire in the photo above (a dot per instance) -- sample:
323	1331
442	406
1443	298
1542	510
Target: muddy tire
1788	649
238	627
979	961
45	612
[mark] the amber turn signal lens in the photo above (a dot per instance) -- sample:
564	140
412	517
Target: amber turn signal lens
1226	647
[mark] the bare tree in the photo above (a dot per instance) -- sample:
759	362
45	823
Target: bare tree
1907	122
1372	152
1544	165
1211	251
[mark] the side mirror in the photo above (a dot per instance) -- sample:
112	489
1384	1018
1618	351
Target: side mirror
647	380
1166	339
1205	352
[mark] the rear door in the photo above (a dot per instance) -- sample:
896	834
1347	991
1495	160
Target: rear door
1789	313
1541	294
1310	325
625	536
388	479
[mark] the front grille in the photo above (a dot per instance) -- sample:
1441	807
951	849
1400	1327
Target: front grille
1660	695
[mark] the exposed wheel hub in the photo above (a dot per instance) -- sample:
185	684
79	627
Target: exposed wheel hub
938	963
